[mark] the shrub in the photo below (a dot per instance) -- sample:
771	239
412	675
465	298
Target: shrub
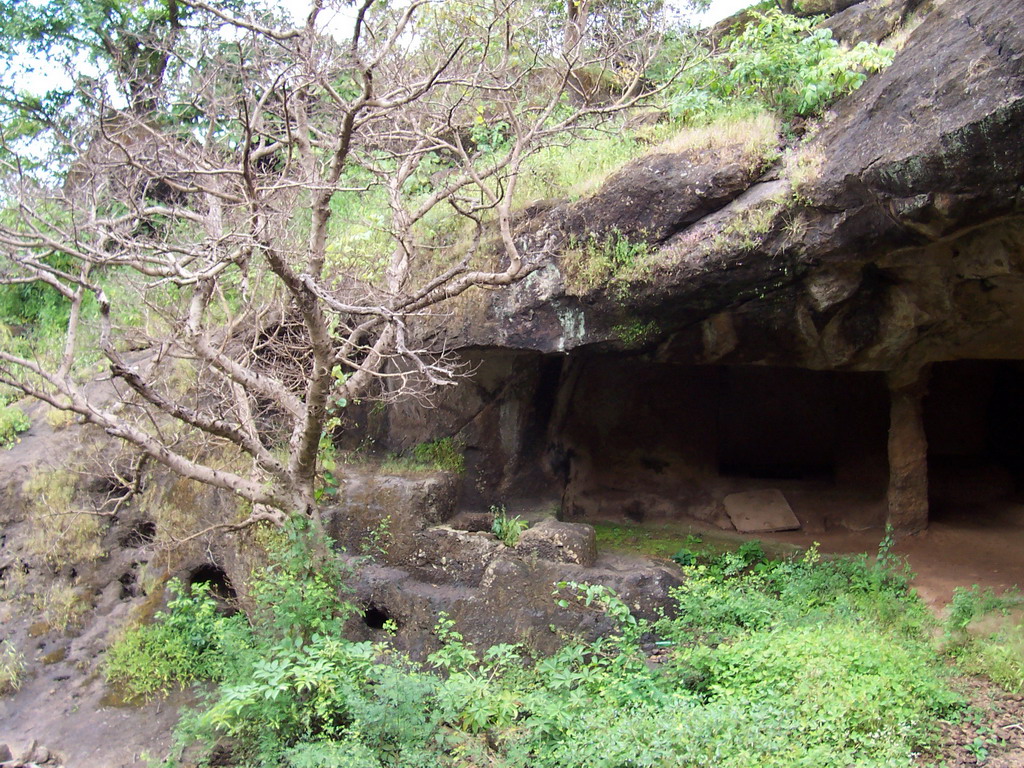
785	63
13	422
806	665
186	643
795	66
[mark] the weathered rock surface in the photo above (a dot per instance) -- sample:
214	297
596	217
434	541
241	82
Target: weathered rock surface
560	542
903	240
384	512
871	21
513	602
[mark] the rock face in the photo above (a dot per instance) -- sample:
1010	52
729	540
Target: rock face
382	514
890	241
878	240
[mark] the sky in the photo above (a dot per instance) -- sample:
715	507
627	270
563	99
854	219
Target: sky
36	75
721	9
718	10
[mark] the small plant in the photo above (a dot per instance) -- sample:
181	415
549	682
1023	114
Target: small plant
378	538
685	557
979	749
971	603
636	333
506	528
12	668
13	422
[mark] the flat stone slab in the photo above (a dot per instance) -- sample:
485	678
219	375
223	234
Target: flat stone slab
760	511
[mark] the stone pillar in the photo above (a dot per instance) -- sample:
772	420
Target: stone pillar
908	452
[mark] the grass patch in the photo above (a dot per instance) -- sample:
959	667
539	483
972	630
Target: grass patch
746	230
12	668
613	260
985	633
755	130
444	455
63	607
666	541
60	531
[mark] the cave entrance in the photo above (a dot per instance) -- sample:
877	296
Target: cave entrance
974	422
648	440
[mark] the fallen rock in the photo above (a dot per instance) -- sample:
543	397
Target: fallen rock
760	511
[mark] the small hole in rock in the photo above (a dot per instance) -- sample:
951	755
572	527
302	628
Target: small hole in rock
129	584
220	585
375	617
141	534
110	487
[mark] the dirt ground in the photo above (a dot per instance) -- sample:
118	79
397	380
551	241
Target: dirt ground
983	546
992	733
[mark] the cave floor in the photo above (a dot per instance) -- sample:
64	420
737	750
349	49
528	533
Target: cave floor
978	545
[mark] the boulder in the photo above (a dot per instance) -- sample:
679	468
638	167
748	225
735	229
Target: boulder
560	542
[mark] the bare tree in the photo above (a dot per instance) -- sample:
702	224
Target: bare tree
195	247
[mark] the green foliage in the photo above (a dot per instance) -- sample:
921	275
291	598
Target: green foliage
506	528
13	422
786	63
795	66
636	333
779	663
612	260
444	455
188	642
